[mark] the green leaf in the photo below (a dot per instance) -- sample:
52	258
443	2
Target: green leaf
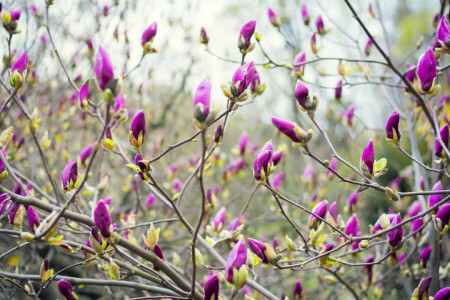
380	164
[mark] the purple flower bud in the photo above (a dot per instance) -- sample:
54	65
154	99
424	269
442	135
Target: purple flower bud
149	34
204	39
286	128
411	74
297	292
368	47
299	58
352	226
261	165
320	210
436	198
21	63
440	152
33	219
441	219
86	152
243	141
377	227
368	157
444	100
84	96
4	199
338	90
243	76
158	252
258	248
119	104
236	259
150	201
415	226
65	289
218	134
103	68
368	268
414	209
69	175
202	97
421	292
392	132
333	166
443	294
426	71
424	256
212	288
246	33
443	33
138	126
305	14
352	202
349	115
276	182
276	157
255	81
333	211
302	95
102	219
15	14
273	17
275	244
395	236
234	224
319	25
219	219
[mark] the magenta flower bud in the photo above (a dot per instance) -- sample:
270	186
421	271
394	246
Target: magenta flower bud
424	256
258	248
302	95
15	14
234	224
297	292
204	39
276	245
33	218
320	210
421	292
352	226
319	25
441	219
69	175
246	34
243	77
137	127
276	157
414	209
86	153
286	127
368	158
149	34
119	104
368	268
4	199
236	259
243	142
415	226
333	166
103	68
261	166
392	132
444	100
102	219
352	202
65	289
273	17
443	33
21	63
219	219
158	252
377	227
333	211
202	99
305	14
218	134
440	152
276	182
443	294
95	235
137	160
368	47
411	74
212	288
426	71
349	115
338	91
395	237
299	69
150	201
84	96
436	198
255	82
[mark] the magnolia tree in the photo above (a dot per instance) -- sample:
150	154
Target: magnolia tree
95	202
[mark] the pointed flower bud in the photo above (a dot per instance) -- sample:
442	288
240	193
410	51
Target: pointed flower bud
212	288
84	96
333	166
204	39
352	226
245	35
293	131
445	133
202	99
276	182
276	157
15	14
414	209
443	294
321	210
338	91
442	218
19	70
424	257
426	72
411	74
33	218
299	69
443	33
70	175
297	292
302	96
392	132
66	290
368	159
137	130
120	108
273	18
436	198
149	34
102	219
313	43
158	252
395	237
319	25
4	199
236	259
242	78
421	292
103	68
333	214
305	14
243	142
368	47
219	219
262	165
259	249
86	153
352	202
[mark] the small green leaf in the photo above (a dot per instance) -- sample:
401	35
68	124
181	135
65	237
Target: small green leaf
380	164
